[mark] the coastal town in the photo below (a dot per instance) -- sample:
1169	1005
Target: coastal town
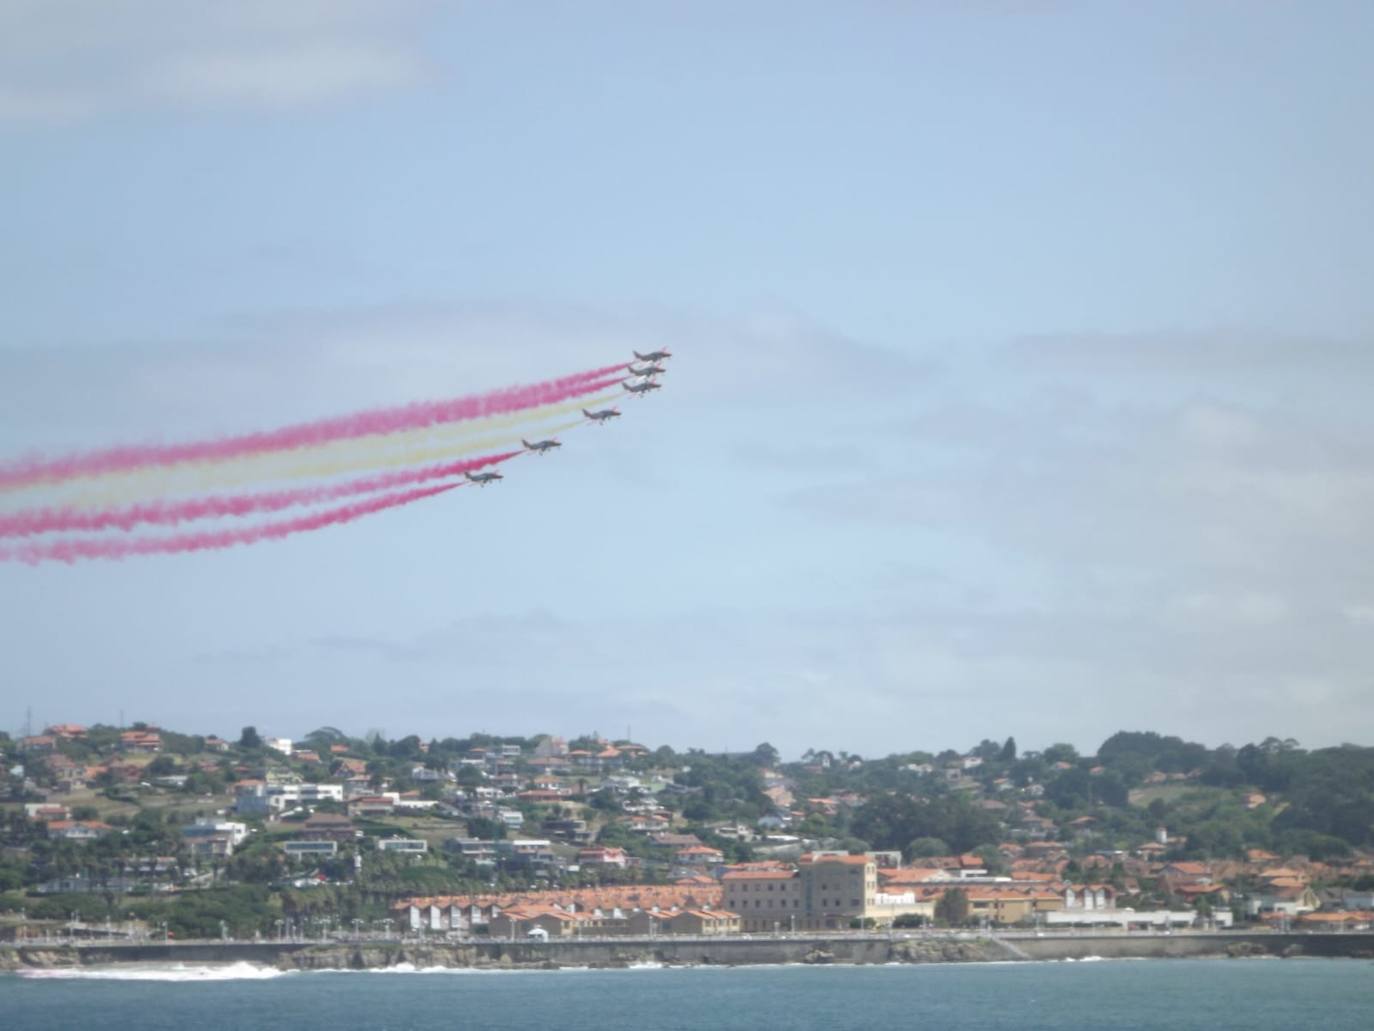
139	833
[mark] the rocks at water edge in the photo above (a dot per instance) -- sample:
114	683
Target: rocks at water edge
937	950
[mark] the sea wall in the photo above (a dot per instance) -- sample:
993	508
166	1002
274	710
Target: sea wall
507	955
668	951
1180	946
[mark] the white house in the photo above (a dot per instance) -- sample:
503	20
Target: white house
1089	896
302	849
210	837
411	845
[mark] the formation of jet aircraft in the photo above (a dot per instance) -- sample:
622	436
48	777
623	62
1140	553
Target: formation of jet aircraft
640	381
642	377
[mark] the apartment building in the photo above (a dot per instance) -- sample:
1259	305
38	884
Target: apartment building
766	900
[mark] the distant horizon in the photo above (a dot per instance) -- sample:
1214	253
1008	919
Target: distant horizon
654	743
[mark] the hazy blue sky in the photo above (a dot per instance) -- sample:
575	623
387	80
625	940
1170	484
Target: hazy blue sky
1024	353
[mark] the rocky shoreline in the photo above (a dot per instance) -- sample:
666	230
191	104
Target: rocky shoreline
497	957
486	954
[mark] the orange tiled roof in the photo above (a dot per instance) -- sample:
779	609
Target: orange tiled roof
909	874
643	896
759	875
712	914
845	860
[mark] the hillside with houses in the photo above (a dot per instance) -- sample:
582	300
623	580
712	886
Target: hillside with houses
141	831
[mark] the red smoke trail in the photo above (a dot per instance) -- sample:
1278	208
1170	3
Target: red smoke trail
414	416
73	550
169	513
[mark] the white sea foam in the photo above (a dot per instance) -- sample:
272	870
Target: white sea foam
158	972
411	968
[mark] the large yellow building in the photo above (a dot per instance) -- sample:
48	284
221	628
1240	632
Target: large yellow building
998	905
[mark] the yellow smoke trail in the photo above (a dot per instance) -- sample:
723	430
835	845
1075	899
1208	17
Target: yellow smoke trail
390	451
397	459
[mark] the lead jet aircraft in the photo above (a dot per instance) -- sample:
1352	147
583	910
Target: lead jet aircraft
482	479
603	415
642	388
540	446
653	356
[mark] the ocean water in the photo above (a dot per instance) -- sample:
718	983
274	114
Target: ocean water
1257	995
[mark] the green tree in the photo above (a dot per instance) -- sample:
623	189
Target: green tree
895	820
1060	753
765	755
952	909
249	738
321	738
923	848
485	829
161	766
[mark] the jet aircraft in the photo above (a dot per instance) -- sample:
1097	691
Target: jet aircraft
646	370
540	446
603	415
653	356
643	387
482	479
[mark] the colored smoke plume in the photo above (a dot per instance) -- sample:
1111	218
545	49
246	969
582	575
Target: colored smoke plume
380	421
85	548
394	451
169	513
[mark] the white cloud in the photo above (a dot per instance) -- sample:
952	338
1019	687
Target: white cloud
1361	614
1202	536
63	60
1208	358
1206	610
301	76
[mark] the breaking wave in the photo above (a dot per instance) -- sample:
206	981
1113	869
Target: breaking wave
159	972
